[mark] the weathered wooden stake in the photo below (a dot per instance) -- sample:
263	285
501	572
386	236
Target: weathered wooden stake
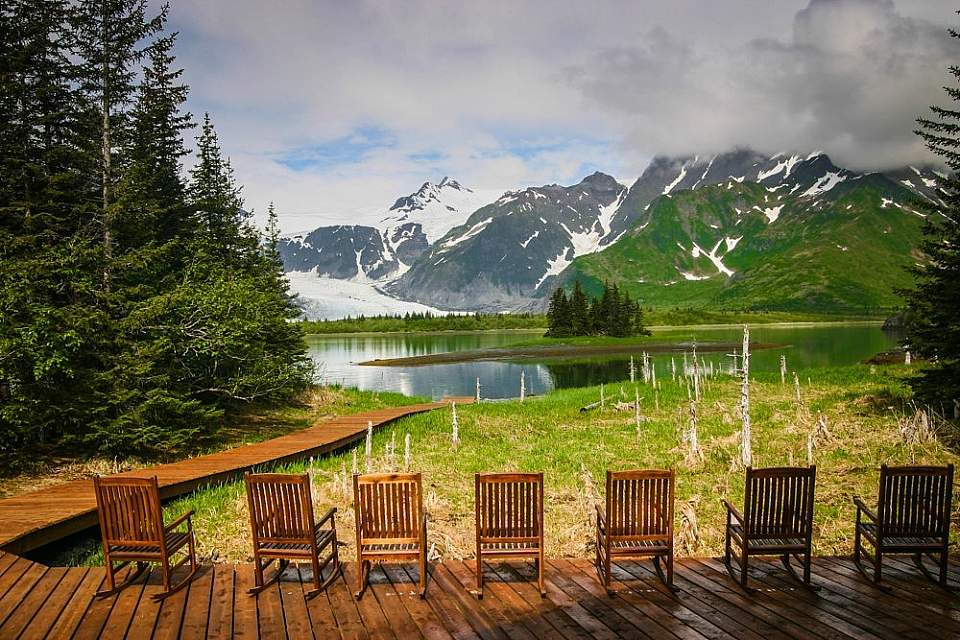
602	399
745	400
656	399
368	452
783	369
455	435
673	369
633	370
406	453
906	358
796	388
523	385
477	398
809	449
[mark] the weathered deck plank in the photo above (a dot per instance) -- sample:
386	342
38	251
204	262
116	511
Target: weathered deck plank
59	602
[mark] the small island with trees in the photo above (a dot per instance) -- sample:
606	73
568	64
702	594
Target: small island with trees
612	314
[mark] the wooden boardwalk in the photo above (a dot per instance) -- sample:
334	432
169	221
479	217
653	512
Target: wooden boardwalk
57	602
40	517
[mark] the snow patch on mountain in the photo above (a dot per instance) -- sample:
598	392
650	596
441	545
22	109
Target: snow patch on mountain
824	184
332	299
683	174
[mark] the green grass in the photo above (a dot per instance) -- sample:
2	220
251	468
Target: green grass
549	434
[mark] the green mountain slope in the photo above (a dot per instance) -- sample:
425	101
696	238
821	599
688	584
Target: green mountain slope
740	245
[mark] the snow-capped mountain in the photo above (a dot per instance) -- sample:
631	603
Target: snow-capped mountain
507	250
511	254
367	253
439	247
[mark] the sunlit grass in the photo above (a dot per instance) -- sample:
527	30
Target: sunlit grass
550	434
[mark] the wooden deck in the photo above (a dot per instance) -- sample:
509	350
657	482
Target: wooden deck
40	517
57	602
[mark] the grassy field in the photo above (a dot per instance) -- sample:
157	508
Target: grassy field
866	410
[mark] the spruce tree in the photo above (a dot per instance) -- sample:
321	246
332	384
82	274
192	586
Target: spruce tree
579	311
934	304
53	328
110	35
558	315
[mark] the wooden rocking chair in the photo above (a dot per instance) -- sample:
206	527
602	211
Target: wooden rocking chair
281	519
913	516
509	515
777	519
637	522
132	529
391	523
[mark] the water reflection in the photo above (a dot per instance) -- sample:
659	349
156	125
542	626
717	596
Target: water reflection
337	358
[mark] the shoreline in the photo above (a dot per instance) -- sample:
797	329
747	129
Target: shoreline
655	327
556	351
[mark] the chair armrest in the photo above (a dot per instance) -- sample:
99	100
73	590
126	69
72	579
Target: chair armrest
733	511
601	519
327	516
863	508
176	523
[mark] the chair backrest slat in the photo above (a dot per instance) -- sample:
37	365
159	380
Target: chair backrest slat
509	505
281	507
915	501
778	502
129	510
388	506
640	503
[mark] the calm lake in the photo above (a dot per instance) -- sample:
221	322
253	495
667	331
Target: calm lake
337	358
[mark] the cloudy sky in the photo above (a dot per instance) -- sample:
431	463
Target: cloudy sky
333	109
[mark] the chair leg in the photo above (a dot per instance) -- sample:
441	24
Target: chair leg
262	585
111	579
423	572
479	576
168	590
743	566
877	566
363	573
670	569
944	566
315	564
606	571
540	580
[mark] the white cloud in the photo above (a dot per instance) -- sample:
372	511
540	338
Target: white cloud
503	94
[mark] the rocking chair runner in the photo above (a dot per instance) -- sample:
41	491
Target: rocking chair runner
391	523
637	522
913	516
132	529
509	516
777	519
281	519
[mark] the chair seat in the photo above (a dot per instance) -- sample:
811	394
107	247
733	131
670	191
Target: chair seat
324	536
869	529
391	549
623	547
756	543
174	540
509	546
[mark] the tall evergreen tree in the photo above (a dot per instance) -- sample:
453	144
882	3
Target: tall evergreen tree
152	195
110	38
558	315
580	320
934	305
51	317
